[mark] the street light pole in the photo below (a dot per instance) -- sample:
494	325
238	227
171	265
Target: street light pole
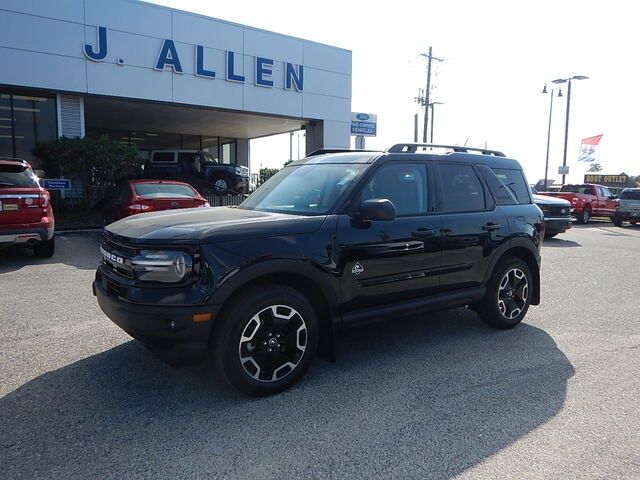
433	117
566	123
546	162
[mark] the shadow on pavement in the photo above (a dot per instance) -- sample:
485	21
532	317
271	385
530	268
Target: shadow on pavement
560	242
79	250
423	399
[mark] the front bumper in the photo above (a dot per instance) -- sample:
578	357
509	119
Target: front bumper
557	225
628	216
169	331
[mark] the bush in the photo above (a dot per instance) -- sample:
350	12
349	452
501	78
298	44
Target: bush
266	174
98	164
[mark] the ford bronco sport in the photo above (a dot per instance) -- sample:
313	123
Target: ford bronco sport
330	241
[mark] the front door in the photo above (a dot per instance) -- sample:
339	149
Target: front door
388	261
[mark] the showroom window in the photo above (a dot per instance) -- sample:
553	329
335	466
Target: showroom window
25	121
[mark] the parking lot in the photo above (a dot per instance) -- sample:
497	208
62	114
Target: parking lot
437	397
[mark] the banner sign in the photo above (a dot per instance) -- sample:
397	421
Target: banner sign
588	149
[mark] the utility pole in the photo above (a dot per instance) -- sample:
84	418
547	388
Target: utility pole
427	93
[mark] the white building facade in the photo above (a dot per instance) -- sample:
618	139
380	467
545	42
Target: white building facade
162	78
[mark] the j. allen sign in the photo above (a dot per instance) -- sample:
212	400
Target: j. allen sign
169	58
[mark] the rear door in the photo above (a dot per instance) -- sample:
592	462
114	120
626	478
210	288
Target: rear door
390	261
472	226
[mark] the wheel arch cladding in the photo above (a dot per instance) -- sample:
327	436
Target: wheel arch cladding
318	294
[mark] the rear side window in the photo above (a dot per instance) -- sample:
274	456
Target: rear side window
17	176
163	157
630	195
514	182
461	189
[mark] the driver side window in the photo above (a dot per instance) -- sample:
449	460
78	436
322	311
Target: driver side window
405	185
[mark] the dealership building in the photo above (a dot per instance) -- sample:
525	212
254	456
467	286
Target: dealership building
162	78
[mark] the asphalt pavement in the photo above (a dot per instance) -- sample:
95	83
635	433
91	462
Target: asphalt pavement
433	397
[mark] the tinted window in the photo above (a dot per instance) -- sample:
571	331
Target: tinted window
404	185
630	195
163	157
304	189
605	192
514	182
461	189
17	176
163	190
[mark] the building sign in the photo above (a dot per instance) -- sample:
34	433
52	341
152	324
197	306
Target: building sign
364	124
621	180
168	58
56	183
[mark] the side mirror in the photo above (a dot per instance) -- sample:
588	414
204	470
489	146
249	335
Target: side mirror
377	209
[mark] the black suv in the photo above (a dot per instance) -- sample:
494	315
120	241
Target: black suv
199	169
332	240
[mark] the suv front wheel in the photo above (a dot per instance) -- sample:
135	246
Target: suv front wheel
508	294
266	340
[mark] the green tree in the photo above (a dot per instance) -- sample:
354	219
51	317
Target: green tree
97	163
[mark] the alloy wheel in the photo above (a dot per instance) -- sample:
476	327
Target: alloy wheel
221	185
513	292
273	343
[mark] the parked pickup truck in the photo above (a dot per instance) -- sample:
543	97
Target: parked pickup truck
587	200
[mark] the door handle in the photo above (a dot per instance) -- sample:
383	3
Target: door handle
423	233
490	227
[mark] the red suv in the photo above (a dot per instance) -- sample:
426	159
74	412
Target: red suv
26	217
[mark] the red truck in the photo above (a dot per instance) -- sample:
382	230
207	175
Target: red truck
587	200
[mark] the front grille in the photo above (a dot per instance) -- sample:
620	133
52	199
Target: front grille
556	210
117	258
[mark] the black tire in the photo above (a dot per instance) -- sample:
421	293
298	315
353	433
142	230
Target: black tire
550	235
220	184
275	356
584	216
617	221
634	223
514	296
45	249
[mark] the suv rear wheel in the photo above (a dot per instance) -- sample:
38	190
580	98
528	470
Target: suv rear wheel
220	183
266	340
508	294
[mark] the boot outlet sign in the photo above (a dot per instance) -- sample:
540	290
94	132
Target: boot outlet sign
169	59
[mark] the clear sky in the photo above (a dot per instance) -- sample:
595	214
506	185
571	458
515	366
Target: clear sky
499	54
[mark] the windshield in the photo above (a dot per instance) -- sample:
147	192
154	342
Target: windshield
164	190
305	189
630	195
17	176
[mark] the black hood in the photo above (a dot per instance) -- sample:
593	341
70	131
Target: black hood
206	225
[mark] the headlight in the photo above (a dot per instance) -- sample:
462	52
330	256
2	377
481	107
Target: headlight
563	211
162	266
238	171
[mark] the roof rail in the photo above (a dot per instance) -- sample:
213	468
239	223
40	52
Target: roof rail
413	148
322	151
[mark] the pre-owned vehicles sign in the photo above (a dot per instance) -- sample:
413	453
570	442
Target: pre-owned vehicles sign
364	124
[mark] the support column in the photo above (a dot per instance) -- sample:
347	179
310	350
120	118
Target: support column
327	134
242	151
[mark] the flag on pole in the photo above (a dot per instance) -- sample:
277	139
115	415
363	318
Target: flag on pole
588	149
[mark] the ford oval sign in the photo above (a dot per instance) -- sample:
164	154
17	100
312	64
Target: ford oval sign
362	116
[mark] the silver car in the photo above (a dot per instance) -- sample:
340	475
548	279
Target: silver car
628	208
